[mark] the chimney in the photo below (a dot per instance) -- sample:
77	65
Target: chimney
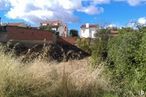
87	25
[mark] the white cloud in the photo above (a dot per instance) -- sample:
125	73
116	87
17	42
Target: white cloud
142	21
3	4
134	23
91	10
36	11
111	25
101	1
132	2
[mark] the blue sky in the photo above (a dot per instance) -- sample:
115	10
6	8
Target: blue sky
116	13
74	12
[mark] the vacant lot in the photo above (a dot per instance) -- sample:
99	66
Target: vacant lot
51	79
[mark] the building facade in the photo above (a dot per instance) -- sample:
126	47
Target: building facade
57	26
88	30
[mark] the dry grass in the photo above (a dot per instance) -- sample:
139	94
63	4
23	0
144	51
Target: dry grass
41	79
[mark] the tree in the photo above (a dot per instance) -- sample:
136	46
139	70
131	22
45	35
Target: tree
126	62
99	47
74	33
48	28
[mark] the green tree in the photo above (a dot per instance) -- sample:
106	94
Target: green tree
48	28
99	47
126	57
74	33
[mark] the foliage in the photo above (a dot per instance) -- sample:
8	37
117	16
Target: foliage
84	44
74	33
99	47
126	57
48	28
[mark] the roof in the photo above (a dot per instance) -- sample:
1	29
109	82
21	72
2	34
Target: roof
52	23
17	24
68	40
90	26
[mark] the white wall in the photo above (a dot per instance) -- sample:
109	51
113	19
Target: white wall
93	31
88	32
62	31
84	33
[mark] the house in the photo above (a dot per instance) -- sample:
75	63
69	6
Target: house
33	36
88	30
57	26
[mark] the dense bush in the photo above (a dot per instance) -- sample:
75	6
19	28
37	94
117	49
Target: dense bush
99	47
84	44
48	28
125	58
126	62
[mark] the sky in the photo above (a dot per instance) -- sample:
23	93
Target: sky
75	12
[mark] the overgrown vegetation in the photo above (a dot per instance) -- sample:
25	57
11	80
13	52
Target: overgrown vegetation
48	28
41	79
46	51
84	44
125	59
99	47
126	62
119	70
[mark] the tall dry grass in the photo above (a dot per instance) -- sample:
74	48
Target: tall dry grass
42	79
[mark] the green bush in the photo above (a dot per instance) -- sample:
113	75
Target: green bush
99	47
126	63
84	44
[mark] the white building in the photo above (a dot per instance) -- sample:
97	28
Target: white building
57	26
88	30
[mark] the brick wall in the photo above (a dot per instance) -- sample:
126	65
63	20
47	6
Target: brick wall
35	35
17	33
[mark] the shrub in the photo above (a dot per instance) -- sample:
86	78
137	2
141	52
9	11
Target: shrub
126	63
84	44
99	47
